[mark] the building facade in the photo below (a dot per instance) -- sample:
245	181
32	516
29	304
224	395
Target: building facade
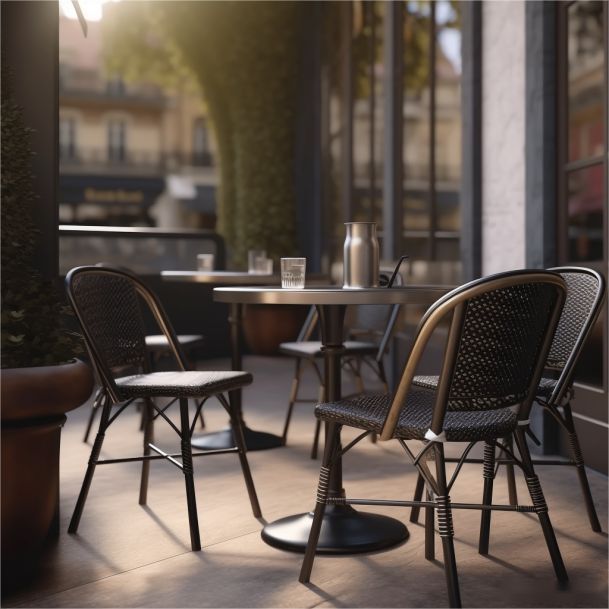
131	153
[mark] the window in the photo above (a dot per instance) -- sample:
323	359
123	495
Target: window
200	142
67	138
425	47
582	155
117	135
115	86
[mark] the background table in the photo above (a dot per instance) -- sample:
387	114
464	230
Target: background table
344	529
254	440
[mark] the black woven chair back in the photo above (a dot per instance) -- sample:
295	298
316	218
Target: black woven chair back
109	305
585	293
501	337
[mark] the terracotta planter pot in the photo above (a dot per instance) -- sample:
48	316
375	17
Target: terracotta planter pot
265	327
34	403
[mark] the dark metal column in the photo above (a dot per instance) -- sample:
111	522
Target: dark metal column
540	167
393	87
471	155
30	49
346	102
308	162
433	211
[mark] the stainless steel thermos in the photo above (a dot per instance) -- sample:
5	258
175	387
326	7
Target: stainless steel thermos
361	256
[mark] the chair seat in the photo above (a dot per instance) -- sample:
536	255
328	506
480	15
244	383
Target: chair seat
368	411
181	384
159	341
545	389
312	348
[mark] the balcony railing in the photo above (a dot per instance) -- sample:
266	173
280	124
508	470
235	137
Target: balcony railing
82	159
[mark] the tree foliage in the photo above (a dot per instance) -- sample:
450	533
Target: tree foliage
245	57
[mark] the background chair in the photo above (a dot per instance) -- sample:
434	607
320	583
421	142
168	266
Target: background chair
501	328
157	347
585	294
109	304
369	334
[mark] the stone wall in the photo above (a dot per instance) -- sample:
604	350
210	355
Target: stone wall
503	136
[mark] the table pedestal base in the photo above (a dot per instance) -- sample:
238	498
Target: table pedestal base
344	531
254	440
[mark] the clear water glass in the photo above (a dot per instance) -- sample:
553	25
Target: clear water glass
256	260
205	262
293	272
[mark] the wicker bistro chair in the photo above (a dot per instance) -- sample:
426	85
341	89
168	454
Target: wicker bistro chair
157	347
108	304
585	294
500	332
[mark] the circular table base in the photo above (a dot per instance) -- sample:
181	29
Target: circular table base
254	440
344	531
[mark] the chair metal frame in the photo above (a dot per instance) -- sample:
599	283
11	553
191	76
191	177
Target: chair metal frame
558	403
438	486
110	397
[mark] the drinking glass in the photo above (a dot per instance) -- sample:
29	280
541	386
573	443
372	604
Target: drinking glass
205	262
254	261
293	272
264	266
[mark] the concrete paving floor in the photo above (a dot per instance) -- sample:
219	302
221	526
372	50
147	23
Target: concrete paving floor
125	555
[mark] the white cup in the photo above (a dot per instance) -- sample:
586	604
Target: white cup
205	262
293	273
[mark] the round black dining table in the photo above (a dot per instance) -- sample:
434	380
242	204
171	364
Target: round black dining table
344	529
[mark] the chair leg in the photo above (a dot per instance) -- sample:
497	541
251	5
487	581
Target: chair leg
430	547
332	438
509	471
293	398
97	401
487	496
93	458
445	528
237	429
315	447
418	495
581	469
357	373
540	505
191	499
148	417
201	417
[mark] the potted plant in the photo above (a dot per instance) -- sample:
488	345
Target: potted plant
41	379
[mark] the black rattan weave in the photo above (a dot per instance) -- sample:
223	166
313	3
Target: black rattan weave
110	309
181	384
430	381
582	292
368	411
501	337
